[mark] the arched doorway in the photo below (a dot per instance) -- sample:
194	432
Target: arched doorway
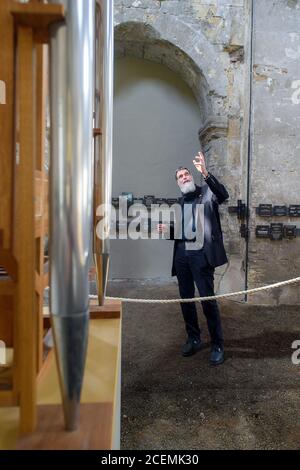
147	44
156	122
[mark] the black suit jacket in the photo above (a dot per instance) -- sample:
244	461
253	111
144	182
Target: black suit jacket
211	194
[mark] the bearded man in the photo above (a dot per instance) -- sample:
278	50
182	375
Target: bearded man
197	252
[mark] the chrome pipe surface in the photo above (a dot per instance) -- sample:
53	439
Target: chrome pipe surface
104	120
71	181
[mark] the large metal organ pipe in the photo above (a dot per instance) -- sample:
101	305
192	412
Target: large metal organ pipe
72	46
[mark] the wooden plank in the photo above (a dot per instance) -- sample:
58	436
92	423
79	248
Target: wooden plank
24	239
46	220
38	226
6	318
94	433
38	16
7	287
41	91
6	121
103	361
39	197
46	193
9	263
41	224
45	366
37	282
109	303
7	398
47	321
46	280
96	314
110	309
15	360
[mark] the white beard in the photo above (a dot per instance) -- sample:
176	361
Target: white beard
188	187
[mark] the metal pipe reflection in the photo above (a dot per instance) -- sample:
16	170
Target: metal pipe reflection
103	143
71	180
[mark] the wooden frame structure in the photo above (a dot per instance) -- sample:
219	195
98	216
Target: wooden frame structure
23	193
23	227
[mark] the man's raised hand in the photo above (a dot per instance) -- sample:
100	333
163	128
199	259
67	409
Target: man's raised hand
200	164
161	228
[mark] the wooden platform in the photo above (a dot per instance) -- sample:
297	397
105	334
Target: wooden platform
100	408
94	433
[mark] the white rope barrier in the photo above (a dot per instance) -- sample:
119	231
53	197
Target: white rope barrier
200	299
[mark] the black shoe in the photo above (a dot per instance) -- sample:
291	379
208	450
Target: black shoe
216	356
191	347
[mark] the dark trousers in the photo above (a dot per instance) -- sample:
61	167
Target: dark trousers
193	268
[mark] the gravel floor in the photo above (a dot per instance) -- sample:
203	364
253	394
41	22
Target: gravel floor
252	401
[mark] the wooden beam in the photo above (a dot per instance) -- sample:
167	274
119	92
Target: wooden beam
46	280
41	221
41	282
7	287
38	16
37	283
9	263
7	398
7	308
46	364
110	309
50	433
6	120
24	237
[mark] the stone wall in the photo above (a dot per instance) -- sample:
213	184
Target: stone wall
275	162
204	43
208	43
